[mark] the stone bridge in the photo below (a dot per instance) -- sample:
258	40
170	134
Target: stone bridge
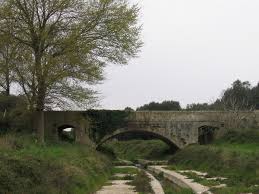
176	128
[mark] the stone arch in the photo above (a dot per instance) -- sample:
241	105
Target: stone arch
119	132
65	135
206	134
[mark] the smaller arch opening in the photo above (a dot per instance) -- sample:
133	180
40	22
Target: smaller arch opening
67	133
206	134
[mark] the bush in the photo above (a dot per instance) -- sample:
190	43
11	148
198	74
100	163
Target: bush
26	167
104	122
14	114
241	136
142	183
140	149
239	168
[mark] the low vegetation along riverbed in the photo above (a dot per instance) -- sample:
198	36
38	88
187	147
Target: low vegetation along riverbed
233	156
28	167
127	180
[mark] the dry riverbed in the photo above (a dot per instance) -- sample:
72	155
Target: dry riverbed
131	180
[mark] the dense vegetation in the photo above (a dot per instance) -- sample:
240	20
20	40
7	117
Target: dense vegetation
139	149
234	156
26	167
165	105
104	122
13	114
141	182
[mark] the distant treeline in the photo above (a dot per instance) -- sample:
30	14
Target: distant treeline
165	105
239	96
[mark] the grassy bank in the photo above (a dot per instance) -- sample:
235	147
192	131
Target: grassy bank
139	149
234	156
171	188
26	167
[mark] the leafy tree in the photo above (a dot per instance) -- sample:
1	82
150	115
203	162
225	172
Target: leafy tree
255	96
66	43
238	96
164	106
217	105
198	107
8	52
104	122
129	109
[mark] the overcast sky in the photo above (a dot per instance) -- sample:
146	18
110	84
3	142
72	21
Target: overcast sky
192	51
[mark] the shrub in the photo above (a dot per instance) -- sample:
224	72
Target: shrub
241	136
238	167
140	149
14	114
142	183
59	168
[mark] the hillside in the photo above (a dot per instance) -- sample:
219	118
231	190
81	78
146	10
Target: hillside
234	156
26	167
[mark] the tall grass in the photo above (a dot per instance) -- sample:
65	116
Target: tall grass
139	149
27	167
141	182
171	188
234	156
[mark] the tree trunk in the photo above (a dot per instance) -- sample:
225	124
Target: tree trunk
40	96
40	126
40	104
7	79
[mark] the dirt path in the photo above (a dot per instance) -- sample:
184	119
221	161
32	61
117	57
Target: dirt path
117	187
122	186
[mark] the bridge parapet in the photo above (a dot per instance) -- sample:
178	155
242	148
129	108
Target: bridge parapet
228	118
180	127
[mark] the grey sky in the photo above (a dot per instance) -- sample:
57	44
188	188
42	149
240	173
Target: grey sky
192	50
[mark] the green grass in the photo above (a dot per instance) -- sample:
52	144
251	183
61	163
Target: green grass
238	167
245	141
26	167
136	177
202	180
170	188
141	182
236	190
126	177
139	149
234	156
244	148
126	170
